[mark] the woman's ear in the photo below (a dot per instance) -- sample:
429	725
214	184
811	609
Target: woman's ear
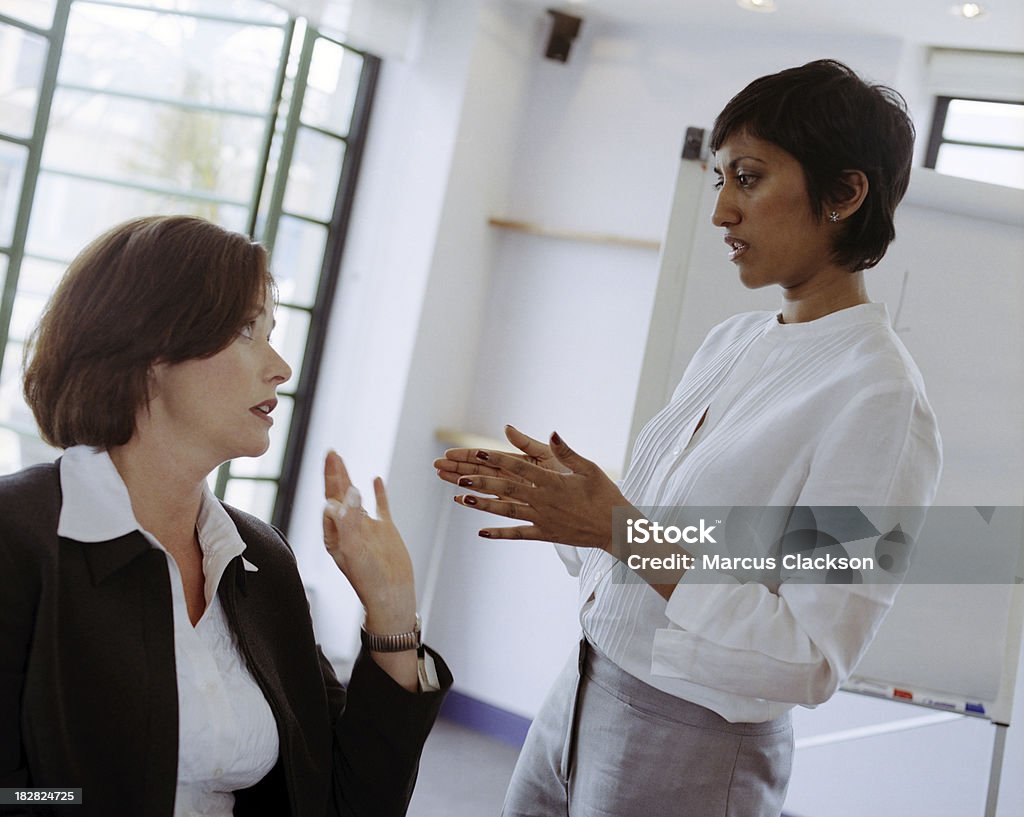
154	378
853	189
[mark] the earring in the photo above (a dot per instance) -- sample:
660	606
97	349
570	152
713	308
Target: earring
833	217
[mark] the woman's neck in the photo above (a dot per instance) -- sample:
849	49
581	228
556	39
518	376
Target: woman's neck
165	492
823	295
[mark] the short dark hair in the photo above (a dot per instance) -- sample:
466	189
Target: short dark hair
160	289
831	120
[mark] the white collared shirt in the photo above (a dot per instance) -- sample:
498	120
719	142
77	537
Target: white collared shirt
227	736
831	412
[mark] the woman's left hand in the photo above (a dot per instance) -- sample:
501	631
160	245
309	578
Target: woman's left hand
370	552
572	507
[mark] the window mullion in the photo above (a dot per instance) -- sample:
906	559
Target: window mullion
938	125
55	37
302	411
268	133
291	132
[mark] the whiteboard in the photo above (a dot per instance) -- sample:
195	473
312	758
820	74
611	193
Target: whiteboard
954	284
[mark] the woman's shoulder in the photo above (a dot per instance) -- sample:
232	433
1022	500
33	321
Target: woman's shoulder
259	536
736	328
30	502
31	494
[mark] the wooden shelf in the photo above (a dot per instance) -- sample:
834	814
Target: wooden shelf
575	235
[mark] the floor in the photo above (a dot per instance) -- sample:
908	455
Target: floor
462	774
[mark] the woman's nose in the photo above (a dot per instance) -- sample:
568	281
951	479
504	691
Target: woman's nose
725	213
281	372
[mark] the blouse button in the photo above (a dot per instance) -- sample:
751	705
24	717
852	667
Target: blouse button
676	452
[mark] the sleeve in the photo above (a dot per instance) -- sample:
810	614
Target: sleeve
378	737
17	614
571	557
799	643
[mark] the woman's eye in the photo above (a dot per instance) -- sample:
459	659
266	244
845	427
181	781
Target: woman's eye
718	183
744	179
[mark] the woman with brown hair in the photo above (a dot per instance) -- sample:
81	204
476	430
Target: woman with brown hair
156	648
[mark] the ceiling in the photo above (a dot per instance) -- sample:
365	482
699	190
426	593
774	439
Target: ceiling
929	22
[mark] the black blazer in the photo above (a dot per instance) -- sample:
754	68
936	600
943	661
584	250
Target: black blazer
88	691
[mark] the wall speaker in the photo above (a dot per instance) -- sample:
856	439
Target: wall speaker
563	32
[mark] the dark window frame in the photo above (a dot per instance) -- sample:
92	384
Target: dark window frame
935	138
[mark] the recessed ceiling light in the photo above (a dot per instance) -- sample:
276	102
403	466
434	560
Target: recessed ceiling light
969	11
757	5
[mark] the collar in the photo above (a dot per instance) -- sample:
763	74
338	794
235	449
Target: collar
869	313
96	507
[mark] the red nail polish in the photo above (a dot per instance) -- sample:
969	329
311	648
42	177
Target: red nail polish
470	500
465	482
482	455
486	534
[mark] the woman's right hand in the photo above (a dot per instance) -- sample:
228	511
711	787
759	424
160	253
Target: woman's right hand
566	498
534	452
370	552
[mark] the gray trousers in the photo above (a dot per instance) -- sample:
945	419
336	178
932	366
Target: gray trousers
606	744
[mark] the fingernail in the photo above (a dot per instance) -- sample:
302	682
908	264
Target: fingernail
556	439
486	534
465	482
482	455
470	500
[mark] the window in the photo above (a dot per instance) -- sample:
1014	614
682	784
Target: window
227	109
978	139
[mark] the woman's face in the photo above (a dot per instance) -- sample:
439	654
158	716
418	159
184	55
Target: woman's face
771	232
218	408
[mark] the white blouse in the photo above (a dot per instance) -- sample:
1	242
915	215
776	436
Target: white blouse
227	736
823	413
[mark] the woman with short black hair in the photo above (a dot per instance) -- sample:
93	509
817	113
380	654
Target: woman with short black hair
678	702
156	648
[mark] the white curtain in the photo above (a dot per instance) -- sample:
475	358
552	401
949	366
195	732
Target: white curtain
387	28
978	74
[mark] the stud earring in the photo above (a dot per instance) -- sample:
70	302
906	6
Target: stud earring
833	217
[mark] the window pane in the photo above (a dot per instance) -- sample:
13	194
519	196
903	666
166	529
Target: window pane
298	255
243	9
269	465
313	177
21	72
20	446
37	13
161	145
256	498
40	276
331	92
994	123
68	213
28	308
290	339
12	172
170	56
1005	167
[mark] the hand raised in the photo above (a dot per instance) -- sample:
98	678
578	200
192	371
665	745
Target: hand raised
566	498
370	552
460	462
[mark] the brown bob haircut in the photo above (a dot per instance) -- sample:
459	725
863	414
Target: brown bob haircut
162	289
831	121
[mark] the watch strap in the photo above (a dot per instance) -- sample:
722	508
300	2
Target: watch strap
392	642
